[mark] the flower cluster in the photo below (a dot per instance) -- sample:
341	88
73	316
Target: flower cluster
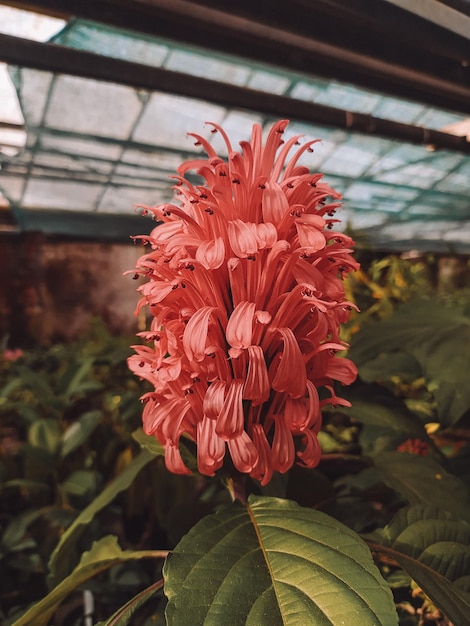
244	285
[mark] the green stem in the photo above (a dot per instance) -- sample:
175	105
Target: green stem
236	485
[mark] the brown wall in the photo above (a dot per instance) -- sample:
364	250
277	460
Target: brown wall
50	289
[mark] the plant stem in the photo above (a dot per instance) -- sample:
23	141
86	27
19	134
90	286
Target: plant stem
236	485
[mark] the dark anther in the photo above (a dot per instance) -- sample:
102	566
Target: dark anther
261	186
251	257
236	181
135	277
309	149
210	211
290	185
197	143
213	131
141	364
203	196
194	201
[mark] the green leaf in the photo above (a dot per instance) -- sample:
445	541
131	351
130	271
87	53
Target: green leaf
387	366
69	382
274	563
123	615
80	483
14	533
59	561
423	481
433	334
149	443
155	447
78	432
45	433
103	554
373	405
38	384
433	547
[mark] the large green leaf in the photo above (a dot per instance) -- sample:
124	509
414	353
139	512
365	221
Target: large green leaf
272	563
60	560
423	481
433	334
103	554
433	546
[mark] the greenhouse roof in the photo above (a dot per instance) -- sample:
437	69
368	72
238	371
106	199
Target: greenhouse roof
106	111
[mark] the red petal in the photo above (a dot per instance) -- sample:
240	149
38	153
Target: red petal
257	385
283	451
290	376
230	422
243	453
210	447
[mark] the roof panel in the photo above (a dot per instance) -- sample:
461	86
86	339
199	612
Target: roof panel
102	147
166	120
67	195
92	108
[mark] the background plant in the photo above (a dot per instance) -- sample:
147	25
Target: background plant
82	507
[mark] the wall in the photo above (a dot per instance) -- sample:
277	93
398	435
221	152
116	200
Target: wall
50	289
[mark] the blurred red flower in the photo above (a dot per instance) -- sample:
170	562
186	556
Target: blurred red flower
244	284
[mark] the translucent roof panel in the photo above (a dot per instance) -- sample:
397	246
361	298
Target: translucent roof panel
95	147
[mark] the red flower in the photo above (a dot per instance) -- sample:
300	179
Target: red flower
414	446
244	283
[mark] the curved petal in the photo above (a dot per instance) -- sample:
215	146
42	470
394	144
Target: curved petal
275	204
211	254
239	329
342	369
173	460
256	387
214	399
242	239
309	230
263	470
210	447
290	375
195	333
243	452
311	454
230	422
283	450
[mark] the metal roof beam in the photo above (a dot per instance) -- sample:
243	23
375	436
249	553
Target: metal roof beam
345	41
60	59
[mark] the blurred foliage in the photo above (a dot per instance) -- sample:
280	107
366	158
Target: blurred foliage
69	462
71	473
